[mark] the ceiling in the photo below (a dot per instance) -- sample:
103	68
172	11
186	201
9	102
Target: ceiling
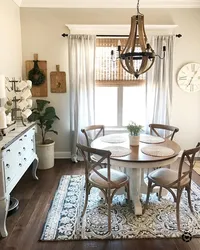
108	3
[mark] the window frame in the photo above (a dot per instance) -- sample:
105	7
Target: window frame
120	84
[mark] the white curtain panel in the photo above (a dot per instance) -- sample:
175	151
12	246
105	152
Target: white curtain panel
159	82
81	53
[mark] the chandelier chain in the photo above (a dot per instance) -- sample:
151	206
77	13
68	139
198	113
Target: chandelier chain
138	10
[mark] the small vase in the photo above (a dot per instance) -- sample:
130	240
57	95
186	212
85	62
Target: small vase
134	140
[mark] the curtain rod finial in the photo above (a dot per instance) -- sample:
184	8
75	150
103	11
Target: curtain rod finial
178	35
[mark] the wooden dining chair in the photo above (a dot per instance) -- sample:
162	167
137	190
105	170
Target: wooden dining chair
171	179
106	179
162	130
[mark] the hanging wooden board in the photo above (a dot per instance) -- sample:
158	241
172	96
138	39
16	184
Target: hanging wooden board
40	90
58	81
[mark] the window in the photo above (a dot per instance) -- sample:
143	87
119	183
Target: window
119	96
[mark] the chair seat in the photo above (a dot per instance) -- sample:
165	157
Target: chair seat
118	178
165	176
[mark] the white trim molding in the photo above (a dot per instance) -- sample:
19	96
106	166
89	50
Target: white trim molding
62	155
18	2
110	4
117	29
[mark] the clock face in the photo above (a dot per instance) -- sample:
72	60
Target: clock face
189	77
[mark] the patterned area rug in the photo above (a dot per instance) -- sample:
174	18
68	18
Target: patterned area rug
64	221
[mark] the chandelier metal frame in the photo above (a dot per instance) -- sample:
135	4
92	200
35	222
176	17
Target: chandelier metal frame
137	40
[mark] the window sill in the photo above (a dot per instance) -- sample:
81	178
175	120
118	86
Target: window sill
115	130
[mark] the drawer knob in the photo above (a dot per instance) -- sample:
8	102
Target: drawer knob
7	165
20	164
8	150
25	135
21	139
24	148
25	159
19	153
8	178
31	139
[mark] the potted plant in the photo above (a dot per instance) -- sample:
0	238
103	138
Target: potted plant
134	133
45	117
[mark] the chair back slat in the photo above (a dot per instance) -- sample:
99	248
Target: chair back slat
189	156
162	130
93	132
93	166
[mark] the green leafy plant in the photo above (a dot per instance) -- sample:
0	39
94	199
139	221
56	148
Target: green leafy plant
134	129
45	117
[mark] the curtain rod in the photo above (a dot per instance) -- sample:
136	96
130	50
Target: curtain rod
64	35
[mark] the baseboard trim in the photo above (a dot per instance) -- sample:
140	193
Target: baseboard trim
62	155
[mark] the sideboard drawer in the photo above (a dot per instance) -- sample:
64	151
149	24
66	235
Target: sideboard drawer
14	164
20	168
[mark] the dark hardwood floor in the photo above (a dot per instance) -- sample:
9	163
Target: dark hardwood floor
25	226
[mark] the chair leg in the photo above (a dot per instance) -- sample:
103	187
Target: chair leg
148	195
86	198
128	194
177	208
109	211
160	193
105	191
188	189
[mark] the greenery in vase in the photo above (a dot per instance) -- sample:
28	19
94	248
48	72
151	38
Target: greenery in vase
36	75
134	129
45	117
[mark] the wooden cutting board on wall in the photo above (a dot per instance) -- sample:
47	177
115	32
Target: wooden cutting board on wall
41	90
58	81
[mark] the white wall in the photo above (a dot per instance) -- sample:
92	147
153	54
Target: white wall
41	33
186	106
10	39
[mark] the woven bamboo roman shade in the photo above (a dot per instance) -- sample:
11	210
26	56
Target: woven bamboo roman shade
109	72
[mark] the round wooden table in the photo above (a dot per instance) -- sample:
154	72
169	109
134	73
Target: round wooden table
136	162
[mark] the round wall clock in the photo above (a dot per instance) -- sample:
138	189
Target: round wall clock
189	77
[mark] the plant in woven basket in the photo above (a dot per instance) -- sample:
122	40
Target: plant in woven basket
45	116
36	75
134	129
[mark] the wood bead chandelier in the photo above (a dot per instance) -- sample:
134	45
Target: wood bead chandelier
137	48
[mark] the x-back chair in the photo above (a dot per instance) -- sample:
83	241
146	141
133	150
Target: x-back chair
106	179
171	179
